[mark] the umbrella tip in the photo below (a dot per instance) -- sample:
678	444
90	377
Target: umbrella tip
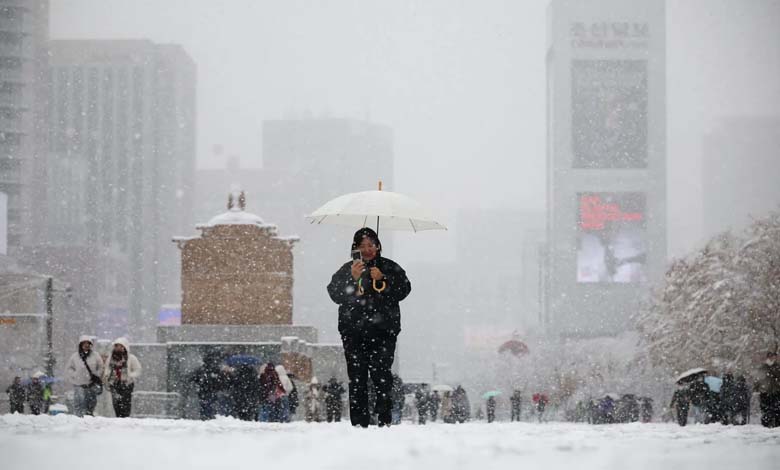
380	185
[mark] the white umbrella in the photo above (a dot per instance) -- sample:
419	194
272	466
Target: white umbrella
442	388
690	372
385	209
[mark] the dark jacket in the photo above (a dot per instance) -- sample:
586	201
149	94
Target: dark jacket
333	392
245	392
209	380
17	393
373	313
35	395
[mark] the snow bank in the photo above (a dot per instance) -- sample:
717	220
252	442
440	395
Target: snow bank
70	442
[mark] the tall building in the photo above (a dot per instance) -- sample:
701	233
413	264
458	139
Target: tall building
24	32
606	162
307	162
121	160
498	274
740	152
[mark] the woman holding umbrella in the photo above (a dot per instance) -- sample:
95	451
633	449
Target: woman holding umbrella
368	290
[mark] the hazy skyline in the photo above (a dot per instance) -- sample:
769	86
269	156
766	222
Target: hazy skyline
461	84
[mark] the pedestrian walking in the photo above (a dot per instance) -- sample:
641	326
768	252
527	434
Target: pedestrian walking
120	374
287	385
209	380
16	395
333	399
680	404
742	401
461	408
433	405
245	392
421	403
540	400
368	291
271	393
84	371
768	386
516	401
35	391
445	409
399	399
491	409
313	402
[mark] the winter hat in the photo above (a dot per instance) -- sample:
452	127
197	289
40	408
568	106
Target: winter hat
366	232
86	338
38	375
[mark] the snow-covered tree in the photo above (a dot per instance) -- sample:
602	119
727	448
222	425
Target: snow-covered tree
720	306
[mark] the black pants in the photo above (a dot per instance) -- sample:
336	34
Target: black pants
333	410
121	398
682	414
515	413
770	409
369	356
17	407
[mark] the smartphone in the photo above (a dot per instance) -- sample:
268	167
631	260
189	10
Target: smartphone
356	255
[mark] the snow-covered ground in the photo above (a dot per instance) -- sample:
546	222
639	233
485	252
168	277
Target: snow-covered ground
66	442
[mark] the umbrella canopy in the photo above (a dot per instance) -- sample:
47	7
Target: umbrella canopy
242	360
44	379
383	209
515	347
442	388
492	393
714	383
690	374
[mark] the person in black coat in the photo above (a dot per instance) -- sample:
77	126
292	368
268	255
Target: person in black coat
368	290
35	394
209	380
491	409
245	392
742	401
333	392
16	396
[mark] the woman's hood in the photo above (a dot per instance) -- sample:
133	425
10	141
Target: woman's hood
124	342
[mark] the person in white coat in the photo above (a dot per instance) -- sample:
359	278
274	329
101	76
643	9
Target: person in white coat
84	371
120	375
284	415
313	402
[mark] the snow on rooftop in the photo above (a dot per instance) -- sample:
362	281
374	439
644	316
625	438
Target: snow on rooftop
236	216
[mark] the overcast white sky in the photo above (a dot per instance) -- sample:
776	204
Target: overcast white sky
461	83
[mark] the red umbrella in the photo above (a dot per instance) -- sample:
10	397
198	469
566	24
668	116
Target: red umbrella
537	397
514	346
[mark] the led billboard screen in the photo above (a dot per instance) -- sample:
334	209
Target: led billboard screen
609	113
611	245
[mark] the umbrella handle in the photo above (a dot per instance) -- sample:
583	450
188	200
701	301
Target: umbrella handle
384	285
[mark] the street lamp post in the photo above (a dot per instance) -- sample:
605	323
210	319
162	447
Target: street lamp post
50	360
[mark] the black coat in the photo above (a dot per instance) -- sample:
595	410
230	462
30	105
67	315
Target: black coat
373	313
17	393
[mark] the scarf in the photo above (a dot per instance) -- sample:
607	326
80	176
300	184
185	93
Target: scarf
118	363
